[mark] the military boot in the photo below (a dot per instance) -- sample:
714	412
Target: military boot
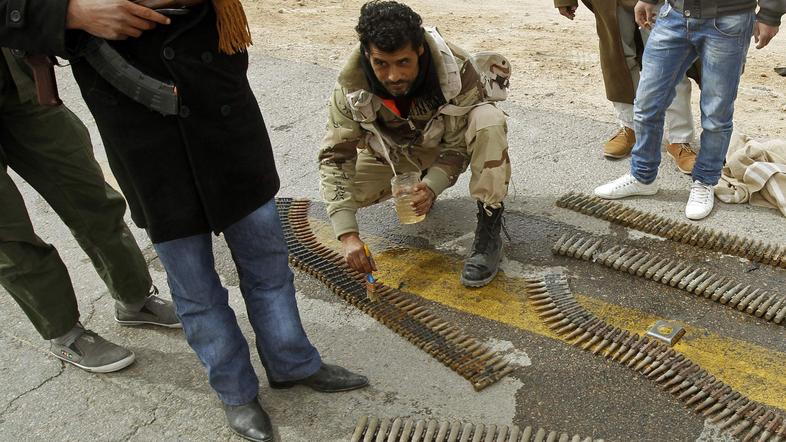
483	263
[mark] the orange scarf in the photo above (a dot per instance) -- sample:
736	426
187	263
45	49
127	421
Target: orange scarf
234	34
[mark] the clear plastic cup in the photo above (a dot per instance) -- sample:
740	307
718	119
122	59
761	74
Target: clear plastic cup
402	187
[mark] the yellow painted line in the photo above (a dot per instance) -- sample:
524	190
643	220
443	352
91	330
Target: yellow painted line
755	371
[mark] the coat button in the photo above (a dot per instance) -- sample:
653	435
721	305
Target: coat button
184	111
169	53
687	13
207	57
226	110
15	16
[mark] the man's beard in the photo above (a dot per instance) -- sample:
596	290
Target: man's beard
399	91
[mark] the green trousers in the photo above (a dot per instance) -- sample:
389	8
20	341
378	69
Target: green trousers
50	149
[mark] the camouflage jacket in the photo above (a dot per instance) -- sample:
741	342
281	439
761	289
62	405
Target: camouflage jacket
432	137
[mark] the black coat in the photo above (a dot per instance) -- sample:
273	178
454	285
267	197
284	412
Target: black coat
197	172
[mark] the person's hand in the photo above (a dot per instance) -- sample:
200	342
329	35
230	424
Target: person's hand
422	198
763	33
355	254
112	19
568	11
645	14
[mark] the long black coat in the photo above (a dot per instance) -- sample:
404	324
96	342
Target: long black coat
197	172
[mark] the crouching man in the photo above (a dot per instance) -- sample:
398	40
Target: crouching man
408	101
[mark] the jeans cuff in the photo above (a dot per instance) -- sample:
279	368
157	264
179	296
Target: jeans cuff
301	372
639	178
239	399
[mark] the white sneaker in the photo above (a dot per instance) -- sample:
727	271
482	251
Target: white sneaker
626	185
702	198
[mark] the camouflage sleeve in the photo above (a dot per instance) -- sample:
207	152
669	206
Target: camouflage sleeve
453	157
337	155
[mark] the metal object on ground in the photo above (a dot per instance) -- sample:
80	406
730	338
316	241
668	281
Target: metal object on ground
674	372
666	331
692	234
401	312
676	273
371	428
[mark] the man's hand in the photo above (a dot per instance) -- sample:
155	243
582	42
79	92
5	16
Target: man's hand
568	11
645	14
422	198
763	33
112	19
355	254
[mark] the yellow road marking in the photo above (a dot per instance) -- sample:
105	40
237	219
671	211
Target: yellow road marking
755	371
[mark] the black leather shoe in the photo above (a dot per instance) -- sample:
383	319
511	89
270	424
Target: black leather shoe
249	421
328	379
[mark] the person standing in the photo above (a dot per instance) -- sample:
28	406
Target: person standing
205	168
50	148
621	43
717	33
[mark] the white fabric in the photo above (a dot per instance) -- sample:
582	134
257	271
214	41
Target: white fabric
755	172
679	118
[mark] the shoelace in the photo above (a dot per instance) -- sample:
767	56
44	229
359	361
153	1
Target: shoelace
685	149
625	181
622	133
699	193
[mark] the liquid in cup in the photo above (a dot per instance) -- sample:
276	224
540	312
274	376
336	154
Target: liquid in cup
402	187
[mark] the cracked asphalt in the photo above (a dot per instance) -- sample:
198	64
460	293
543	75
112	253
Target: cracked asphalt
165	396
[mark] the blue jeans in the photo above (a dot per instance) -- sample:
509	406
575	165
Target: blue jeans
721	45
266	282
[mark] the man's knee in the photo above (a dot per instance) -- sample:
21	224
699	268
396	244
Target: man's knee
485	116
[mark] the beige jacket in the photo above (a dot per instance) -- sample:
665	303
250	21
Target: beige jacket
433	135
755	172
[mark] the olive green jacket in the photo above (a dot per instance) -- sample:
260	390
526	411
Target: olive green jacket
20	75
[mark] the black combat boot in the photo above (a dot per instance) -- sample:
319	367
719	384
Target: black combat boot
482	265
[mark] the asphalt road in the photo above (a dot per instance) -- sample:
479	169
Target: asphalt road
165	396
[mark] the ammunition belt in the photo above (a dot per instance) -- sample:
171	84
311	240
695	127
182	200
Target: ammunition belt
402	313
371	428
676	273
700	391
703	237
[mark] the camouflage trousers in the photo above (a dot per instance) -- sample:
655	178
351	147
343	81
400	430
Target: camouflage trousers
487	145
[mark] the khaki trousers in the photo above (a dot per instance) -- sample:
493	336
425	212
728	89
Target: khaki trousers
487	145
679	117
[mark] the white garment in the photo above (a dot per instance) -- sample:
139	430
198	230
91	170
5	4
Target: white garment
755	172
679	118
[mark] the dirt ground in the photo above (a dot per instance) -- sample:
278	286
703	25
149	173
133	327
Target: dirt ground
555	61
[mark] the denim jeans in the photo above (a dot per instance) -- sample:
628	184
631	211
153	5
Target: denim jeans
721	45
266	282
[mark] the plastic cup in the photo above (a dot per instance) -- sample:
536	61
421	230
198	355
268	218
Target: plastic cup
402	186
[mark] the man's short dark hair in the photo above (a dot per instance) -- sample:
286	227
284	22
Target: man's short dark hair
389	26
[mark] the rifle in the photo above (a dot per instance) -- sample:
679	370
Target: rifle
43	65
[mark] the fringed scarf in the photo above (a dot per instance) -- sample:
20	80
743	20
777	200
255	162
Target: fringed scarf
234	34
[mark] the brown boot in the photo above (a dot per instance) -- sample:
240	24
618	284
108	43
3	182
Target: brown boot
620	145
684	157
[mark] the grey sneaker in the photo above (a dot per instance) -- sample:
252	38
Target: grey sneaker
154	311
93	353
